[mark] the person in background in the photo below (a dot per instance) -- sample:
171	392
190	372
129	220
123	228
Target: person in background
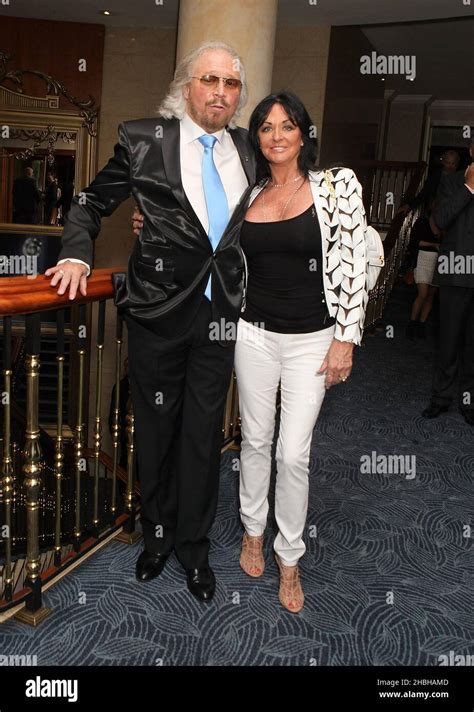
51	196
423	250
449	164
454	215
26	198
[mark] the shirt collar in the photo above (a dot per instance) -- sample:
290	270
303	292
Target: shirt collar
191	131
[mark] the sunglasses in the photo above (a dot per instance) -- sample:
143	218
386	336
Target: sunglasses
211	81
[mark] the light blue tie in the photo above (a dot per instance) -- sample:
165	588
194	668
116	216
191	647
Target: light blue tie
216	199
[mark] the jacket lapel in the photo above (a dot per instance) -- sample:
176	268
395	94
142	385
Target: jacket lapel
244	151
172	164
240	210
258	189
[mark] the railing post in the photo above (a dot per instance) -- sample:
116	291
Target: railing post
116	415
34	612
58	450
79	429
7	468
129	535
98	418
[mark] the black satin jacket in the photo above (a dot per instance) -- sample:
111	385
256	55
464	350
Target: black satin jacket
172	258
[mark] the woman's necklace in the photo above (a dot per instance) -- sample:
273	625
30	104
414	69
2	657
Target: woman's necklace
282	185
264	212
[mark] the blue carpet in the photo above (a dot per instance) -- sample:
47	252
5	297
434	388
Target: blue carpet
388	572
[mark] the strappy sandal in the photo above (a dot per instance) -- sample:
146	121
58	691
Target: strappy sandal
291	594
251	556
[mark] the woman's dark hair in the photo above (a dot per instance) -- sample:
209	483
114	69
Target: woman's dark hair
299	116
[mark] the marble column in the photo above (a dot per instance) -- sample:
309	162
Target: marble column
247	25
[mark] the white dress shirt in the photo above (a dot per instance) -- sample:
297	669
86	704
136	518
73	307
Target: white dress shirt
226	160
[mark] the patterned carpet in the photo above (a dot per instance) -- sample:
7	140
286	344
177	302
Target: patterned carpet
388	577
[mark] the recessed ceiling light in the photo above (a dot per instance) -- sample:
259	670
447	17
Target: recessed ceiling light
105	12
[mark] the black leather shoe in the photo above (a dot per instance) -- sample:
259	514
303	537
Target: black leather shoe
434	410
468	416
150	565
201	583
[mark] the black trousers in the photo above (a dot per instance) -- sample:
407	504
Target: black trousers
456	347
178	388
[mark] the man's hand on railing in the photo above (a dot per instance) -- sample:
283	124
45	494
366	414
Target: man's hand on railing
69	274
137	221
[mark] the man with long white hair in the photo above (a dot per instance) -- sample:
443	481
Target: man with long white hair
189	171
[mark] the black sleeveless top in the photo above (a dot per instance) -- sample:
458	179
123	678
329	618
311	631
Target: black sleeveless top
285	290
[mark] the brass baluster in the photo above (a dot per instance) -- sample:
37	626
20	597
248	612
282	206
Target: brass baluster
7	468
116	416
34	612
129	535
59	452
80	428
98	419
16	455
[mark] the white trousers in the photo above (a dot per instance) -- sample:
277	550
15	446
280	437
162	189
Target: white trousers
262	360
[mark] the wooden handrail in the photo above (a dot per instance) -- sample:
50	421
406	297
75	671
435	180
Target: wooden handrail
23	295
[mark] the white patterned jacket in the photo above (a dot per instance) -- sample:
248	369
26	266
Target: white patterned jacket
343	247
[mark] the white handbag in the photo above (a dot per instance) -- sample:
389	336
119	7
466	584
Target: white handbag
374	245
375	256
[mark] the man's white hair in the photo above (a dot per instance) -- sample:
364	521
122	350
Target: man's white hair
174	103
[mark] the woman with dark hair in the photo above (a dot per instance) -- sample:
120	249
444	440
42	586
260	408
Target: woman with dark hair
303	312
52	194
423	251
